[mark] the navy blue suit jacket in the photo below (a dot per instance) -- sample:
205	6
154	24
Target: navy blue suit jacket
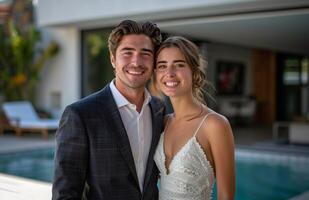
93	154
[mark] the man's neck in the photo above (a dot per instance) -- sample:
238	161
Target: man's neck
133	95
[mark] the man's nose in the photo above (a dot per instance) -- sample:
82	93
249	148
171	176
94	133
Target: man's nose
137	61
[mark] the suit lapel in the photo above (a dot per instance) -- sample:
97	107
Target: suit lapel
157	120
114	122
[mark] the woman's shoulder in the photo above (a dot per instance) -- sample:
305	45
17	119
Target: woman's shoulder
216	123
215	119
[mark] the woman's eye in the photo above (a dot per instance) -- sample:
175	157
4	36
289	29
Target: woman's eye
180	65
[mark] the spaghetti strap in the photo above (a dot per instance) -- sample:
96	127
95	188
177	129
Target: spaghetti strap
202	121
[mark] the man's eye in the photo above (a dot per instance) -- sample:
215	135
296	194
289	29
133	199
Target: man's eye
127	53
146	54
161	66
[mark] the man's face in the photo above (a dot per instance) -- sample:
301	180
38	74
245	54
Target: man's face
133	62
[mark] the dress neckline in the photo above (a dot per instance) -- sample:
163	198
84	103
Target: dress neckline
167	168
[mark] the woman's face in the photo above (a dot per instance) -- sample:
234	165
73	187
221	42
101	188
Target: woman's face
173	74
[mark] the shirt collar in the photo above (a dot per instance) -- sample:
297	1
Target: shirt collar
121	100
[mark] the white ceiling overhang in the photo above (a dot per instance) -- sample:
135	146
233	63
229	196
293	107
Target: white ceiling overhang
269	24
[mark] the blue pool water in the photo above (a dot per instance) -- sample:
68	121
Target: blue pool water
260	175
34	164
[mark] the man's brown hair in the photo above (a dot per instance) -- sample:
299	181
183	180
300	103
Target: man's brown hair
128	27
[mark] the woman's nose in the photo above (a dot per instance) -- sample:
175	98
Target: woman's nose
170	71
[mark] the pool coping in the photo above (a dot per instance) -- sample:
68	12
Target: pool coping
291	150
16	188
11	144
302	196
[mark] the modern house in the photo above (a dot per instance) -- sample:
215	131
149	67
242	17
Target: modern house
257	50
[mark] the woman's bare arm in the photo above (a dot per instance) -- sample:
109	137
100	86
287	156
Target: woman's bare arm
220	138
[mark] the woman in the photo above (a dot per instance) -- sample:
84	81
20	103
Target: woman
197	144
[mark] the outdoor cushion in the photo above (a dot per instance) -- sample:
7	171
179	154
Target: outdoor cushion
23	115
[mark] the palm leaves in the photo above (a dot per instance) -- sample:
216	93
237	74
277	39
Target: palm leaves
21	61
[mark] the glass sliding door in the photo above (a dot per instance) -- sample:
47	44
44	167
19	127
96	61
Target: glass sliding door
293	87
305	87
97	70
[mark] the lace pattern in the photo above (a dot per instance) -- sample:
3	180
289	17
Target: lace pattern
190	174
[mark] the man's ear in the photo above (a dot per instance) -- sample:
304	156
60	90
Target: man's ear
112	58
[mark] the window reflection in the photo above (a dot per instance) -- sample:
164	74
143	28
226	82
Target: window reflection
304	70
97	70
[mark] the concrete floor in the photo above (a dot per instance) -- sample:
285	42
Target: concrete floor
250	135
244	136
17	188
259	137
10	143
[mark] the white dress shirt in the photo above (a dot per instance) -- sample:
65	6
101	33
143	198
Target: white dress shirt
138	127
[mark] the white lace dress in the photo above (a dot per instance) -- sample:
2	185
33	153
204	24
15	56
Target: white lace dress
190	174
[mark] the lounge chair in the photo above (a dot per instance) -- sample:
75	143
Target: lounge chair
22	117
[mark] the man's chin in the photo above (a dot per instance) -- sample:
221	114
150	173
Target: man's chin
137	82
137	85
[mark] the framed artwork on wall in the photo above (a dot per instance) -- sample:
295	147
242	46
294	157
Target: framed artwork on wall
230	77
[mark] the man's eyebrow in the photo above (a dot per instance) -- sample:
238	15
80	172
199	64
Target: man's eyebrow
147	50
161	62
132	49
127	49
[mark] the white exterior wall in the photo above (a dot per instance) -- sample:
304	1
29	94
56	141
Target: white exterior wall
61	74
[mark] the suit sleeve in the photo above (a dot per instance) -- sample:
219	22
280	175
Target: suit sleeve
71	157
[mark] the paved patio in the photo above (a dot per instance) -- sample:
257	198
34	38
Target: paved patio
17	188
11	143
260	138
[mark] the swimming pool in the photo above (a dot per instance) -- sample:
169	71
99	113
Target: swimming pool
35	164
260	174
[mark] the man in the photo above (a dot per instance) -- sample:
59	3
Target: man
106	141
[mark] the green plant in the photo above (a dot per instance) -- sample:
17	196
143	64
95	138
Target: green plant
21	61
